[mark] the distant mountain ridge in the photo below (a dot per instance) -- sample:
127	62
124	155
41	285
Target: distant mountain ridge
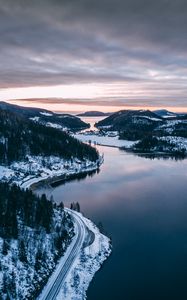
93	113
124	118
164	113
46	117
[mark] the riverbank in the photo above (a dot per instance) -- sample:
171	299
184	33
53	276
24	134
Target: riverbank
165	147
109	141
82	259
64	176
89	260
36	170
92	253
142	204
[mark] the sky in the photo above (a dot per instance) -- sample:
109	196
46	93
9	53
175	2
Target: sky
76	55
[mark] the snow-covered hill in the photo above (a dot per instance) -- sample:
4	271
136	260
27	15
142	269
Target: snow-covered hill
34	233
46	117
143	131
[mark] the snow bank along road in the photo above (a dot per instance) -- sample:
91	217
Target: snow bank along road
56	281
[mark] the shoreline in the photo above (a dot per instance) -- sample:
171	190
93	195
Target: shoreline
155	154
34	182
86	264
110	142
94	253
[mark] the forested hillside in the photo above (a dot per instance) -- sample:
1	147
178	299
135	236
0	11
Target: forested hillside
160	132
46	117
34	232
20	137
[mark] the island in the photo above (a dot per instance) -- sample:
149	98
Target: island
93	113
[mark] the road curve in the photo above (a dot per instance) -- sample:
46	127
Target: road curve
56	281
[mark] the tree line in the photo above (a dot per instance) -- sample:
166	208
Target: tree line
20	137
31	210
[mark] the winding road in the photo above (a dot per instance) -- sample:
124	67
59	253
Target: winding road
56	281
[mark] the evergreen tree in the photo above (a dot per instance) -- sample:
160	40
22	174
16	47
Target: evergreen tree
22	252
78	206
12	286
35	139
6	247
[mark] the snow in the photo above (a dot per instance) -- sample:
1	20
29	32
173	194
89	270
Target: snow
57	126
53	125
39	168
86	264
46	114
89	260
150	118
169	126
105	126
27	278
104	140
168	116
179	142
5	173
35	119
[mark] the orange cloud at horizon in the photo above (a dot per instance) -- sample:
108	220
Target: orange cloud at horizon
76	108
83	97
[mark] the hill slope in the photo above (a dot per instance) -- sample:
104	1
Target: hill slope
132	124
20	137
34	233
46	117
164	113
31	152
120	119
160	132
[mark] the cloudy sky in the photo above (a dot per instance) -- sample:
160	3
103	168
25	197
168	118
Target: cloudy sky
106	54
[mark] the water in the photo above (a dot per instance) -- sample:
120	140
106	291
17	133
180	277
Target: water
142	205
92	121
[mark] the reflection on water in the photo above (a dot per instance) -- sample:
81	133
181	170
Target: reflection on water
91	121
74	177
142	204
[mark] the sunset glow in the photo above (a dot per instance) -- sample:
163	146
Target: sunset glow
83	97
104	58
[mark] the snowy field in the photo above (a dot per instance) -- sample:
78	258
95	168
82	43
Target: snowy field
104	140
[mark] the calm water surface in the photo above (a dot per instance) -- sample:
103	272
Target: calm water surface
142	205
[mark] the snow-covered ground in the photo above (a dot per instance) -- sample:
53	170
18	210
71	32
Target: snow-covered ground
38	168
57	126
49	124
104	140
149	118
86	264
89	259
169	126
180	142
46	114
24	278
